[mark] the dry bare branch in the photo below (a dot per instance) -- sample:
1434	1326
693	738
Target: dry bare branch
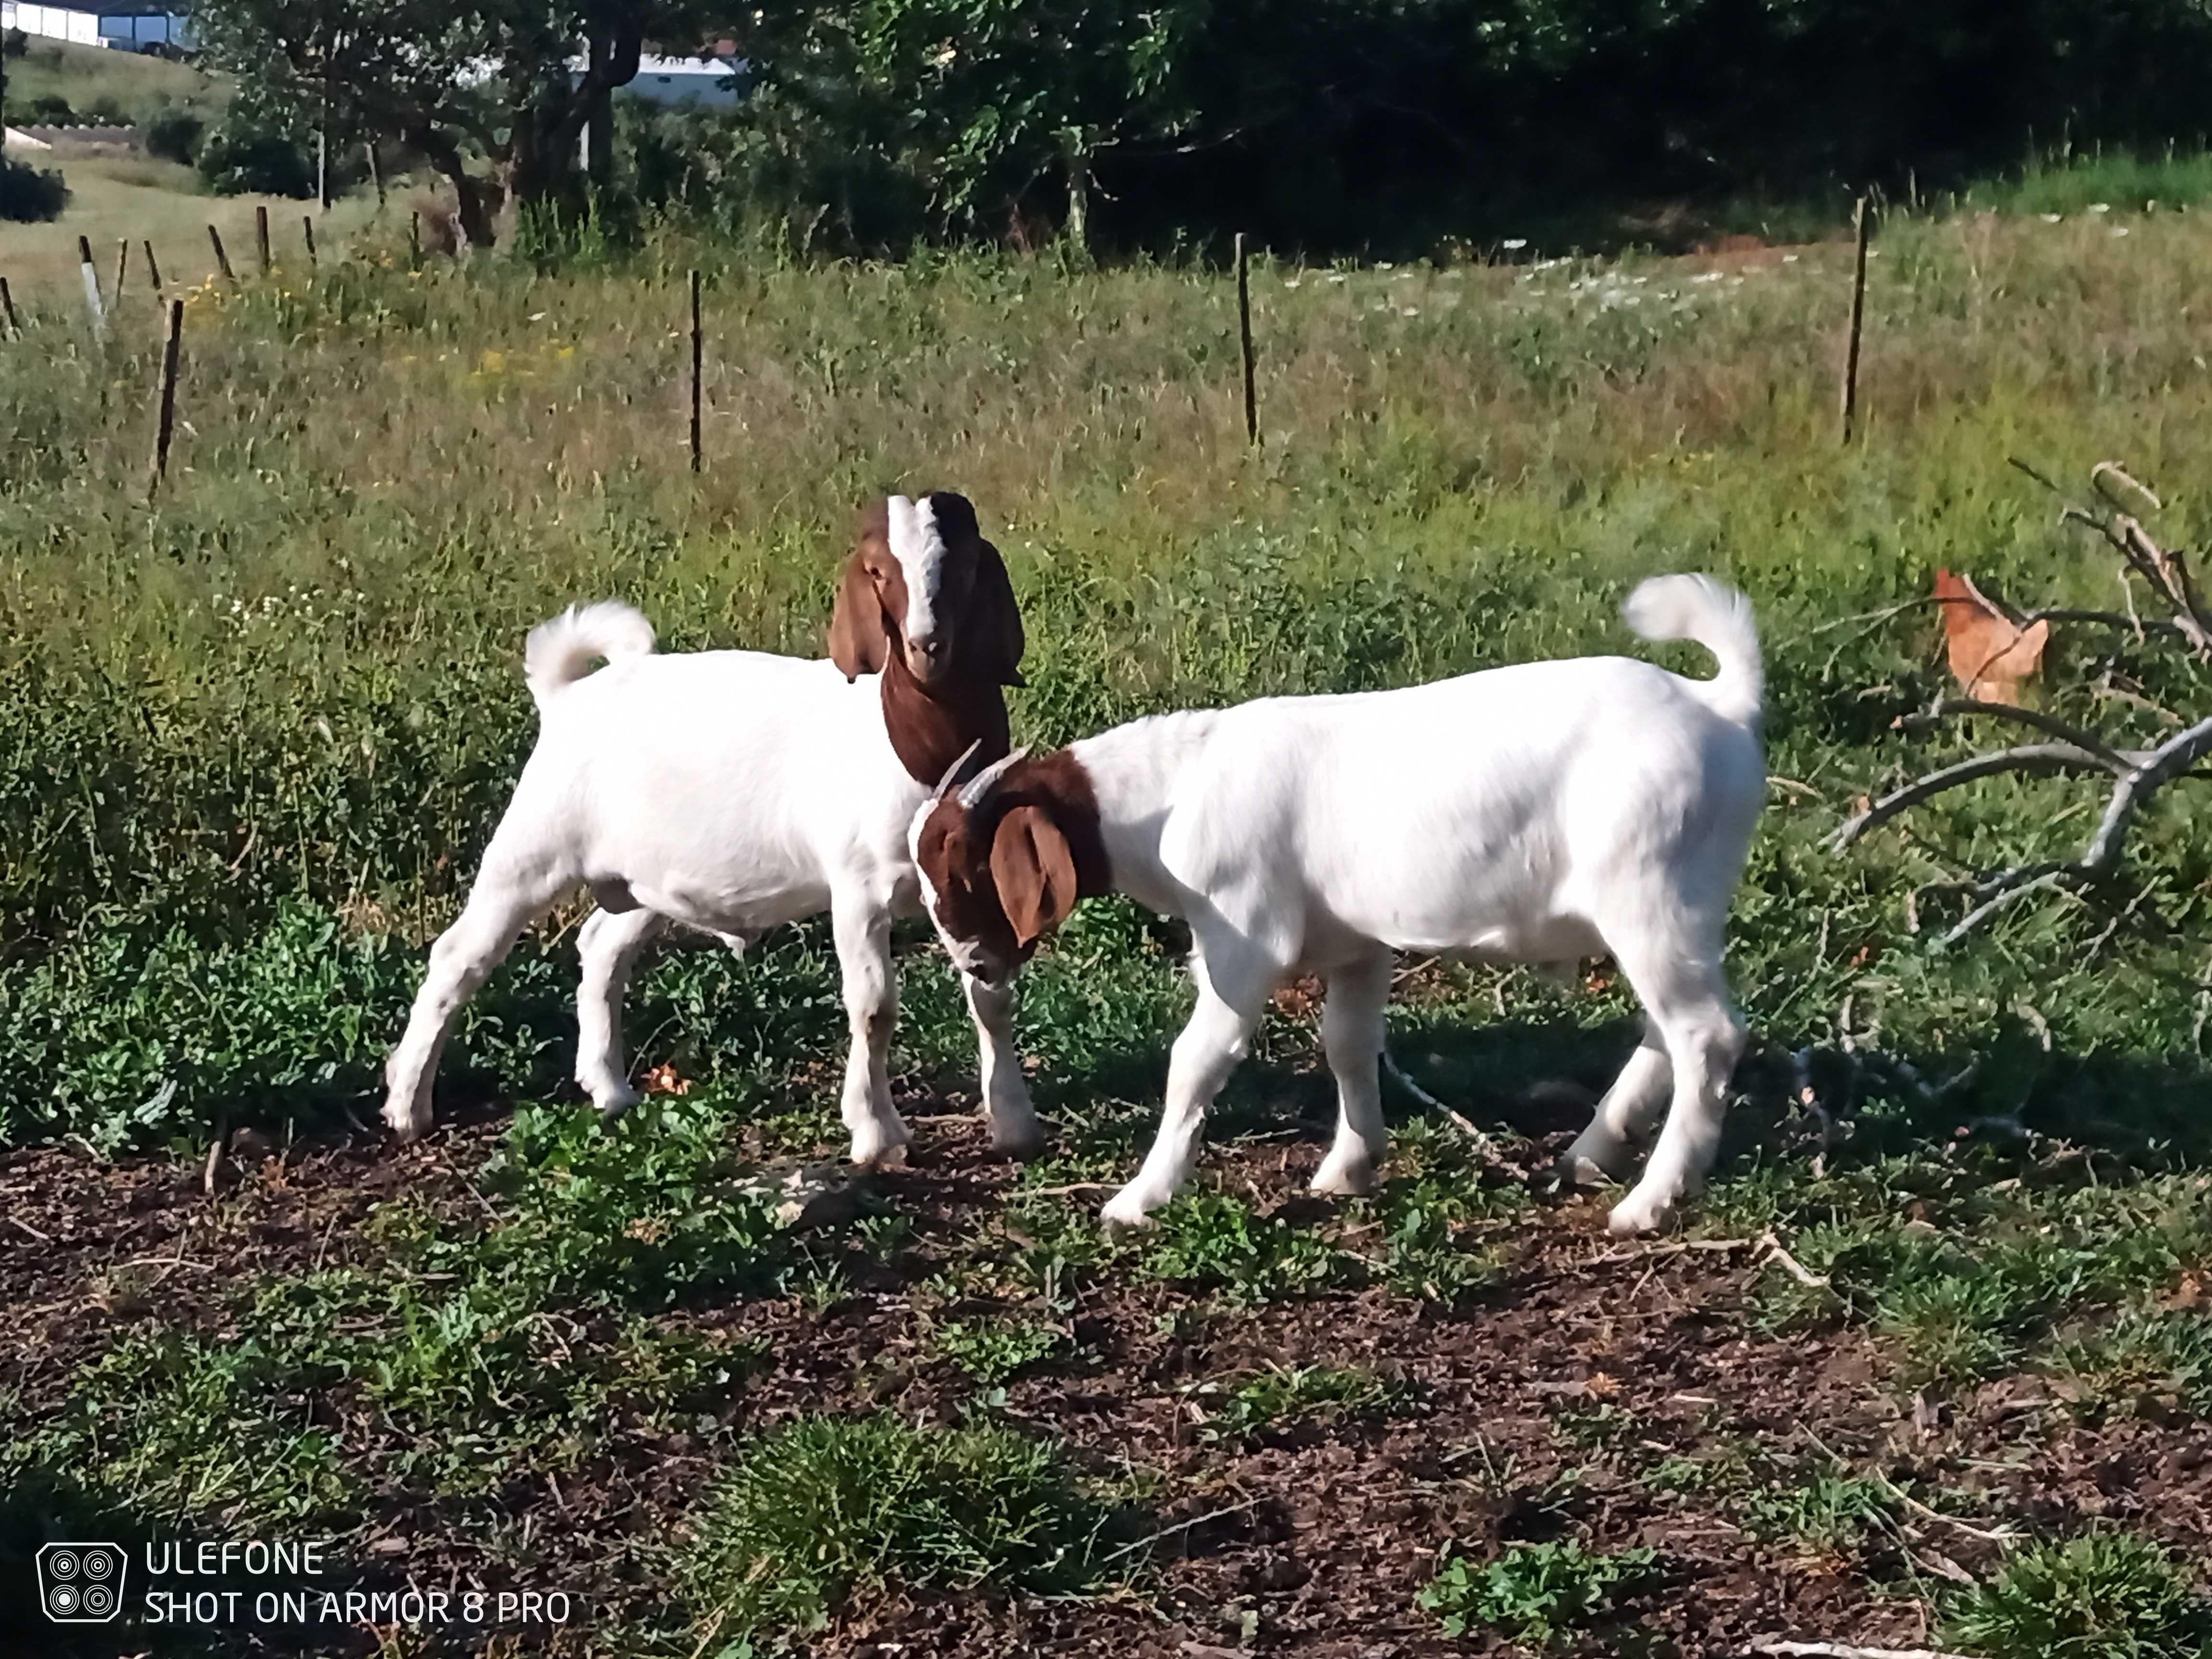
2137	773
2028	757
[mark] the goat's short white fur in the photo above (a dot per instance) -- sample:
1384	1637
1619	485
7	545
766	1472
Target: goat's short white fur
1538	813
919	549
726	790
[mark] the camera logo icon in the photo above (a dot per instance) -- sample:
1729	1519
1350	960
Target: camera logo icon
80	1583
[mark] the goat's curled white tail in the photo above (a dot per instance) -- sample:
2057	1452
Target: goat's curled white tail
561	650
1717	618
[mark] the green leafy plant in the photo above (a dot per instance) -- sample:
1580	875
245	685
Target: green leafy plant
1536	1593
991	1350
1212	1240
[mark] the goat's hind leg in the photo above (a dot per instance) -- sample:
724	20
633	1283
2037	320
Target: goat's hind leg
1682	987
1351	1032
504	899
608	948
1606	1150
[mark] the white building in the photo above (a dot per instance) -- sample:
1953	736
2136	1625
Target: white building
709	83
130	29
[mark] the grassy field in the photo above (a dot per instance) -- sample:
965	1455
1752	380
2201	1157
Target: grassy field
252	742
102	84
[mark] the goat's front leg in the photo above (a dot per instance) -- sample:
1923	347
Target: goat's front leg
1352	1035
863	931
1007	1106
608	947
1218	1036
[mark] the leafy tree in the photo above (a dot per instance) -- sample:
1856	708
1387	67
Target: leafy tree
487	77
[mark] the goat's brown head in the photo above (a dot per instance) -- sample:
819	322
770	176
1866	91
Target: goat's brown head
999	870
923	586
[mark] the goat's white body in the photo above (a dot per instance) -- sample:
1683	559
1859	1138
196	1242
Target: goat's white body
730	791
1538	813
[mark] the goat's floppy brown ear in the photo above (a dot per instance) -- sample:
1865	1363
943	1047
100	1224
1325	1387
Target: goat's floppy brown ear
1034	871
996	619
859	642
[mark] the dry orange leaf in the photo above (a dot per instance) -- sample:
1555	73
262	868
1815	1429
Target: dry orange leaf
663	1080
1990	654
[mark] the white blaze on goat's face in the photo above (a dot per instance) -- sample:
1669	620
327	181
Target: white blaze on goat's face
919	547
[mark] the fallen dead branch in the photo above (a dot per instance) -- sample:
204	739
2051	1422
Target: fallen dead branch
1845	1651
2137	774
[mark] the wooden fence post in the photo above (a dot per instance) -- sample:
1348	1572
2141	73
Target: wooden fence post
153	269
122	264
375	174
7	308
698	352
92	302
221	259
261	234
414	238
1863	223
166	425
307	224
1244	339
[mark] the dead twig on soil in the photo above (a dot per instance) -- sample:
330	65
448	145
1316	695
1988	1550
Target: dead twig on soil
1788	1263
1845	1651
1481	1142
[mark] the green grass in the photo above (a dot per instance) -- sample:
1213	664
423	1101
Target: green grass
251	743
2104	1595
1282	1397
826	1506
103	85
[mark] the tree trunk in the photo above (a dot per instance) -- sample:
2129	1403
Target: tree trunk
599	122
1079	200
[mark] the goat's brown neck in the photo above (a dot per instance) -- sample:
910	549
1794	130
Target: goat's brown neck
1061	785
931	727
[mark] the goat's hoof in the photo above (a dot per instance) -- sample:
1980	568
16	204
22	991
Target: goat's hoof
405	1127
613	1103
1353	1178
1018	1141
889	1156
1637	1214
1127	1211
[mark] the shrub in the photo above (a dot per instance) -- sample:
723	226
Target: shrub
174	135
15	43
257	148
49	109
2108	1595
29	194
828	1506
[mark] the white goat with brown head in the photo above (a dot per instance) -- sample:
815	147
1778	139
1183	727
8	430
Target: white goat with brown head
733	790
1538	813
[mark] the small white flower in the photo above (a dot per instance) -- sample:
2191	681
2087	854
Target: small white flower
2100	207
2050	218
1291	281
1514	244
1788	259
2120	230
1336	276
1384	265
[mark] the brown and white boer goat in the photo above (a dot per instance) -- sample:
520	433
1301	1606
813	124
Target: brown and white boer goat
733	790
1537	813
